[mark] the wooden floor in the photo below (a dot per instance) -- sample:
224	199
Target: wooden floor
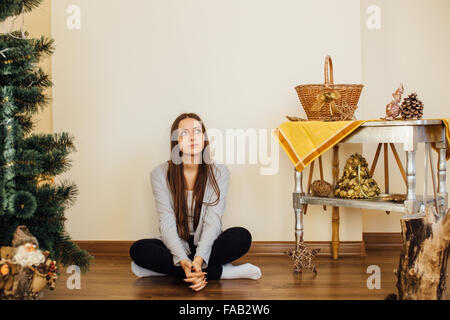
110	277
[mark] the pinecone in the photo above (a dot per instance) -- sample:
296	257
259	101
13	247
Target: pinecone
412	108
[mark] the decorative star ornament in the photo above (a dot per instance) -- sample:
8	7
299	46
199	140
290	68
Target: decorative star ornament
303	257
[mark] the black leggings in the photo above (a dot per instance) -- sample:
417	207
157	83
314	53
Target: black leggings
230	245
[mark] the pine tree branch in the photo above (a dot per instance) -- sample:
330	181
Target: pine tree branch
43	46
43	142
28	163
52	196
10	8
29	99
29	5
38	79
68	253
26	122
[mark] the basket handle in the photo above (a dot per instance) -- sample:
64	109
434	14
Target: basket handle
328	66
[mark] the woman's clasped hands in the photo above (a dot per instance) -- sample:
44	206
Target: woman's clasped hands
194	274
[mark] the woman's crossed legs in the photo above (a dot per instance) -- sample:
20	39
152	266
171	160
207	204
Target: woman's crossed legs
230	245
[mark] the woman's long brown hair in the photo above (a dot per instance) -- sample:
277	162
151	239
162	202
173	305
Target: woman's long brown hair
177	183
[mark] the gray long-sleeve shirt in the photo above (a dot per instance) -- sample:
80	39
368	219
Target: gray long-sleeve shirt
210	223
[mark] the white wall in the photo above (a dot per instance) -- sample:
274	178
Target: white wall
412	47
134	66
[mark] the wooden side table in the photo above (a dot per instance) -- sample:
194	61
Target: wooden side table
410	134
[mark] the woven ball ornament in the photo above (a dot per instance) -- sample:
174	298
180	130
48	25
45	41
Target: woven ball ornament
321	188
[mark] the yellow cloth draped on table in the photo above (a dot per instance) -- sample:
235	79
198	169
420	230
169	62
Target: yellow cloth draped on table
304	141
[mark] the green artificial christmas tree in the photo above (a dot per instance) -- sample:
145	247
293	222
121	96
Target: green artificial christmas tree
28	161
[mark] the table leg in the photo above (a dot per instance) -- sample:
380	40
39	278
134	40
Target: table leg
335	234
335	211
298	211
411	201
442	185
386	170
308	189
429	154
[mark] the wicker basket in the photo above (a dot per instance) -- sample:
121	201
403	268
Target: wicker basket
346	101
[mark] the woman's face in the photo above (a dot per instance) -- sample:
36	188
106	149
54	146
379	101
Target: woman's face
190	136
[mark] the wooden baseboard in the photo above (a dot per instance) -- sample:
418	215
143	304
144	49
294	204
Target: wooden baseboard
105	247
346	248
383	240
371	241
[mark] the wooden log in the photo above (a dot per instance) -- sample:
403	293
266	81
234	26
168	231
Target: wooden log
421	273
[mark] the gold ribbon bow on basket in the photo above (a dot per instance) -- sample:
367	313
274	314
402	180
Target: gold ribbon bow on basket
330	98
